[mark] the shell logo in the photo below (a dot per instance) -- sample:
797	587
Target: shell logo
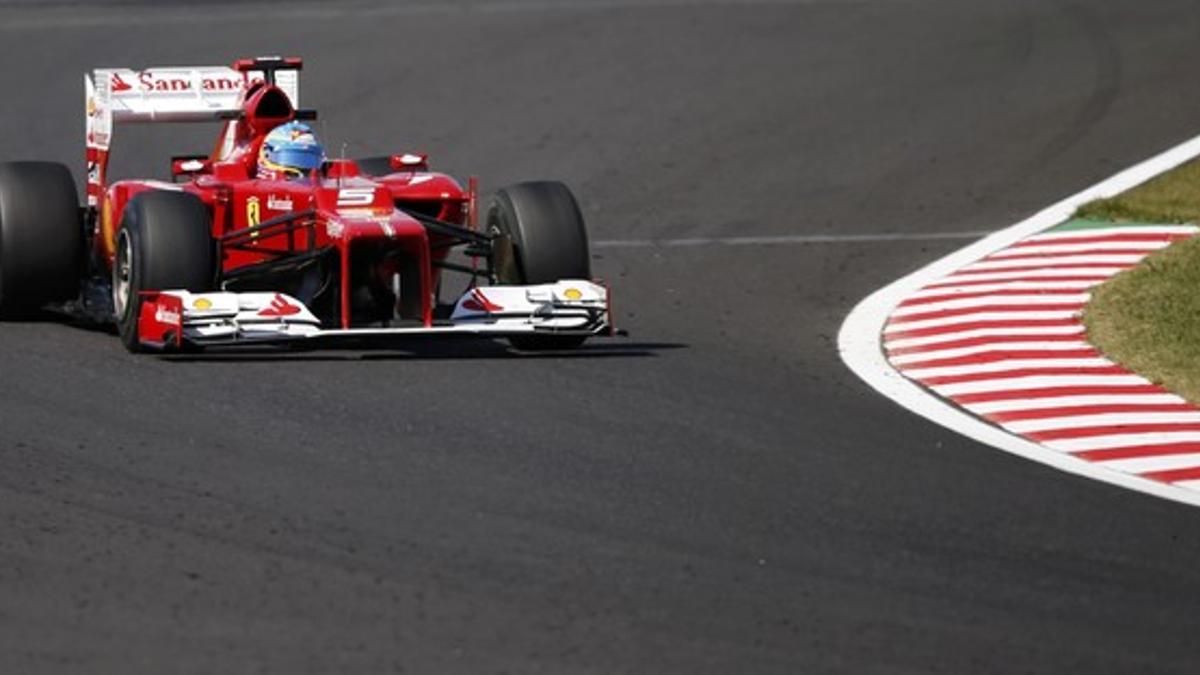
573	294
202	304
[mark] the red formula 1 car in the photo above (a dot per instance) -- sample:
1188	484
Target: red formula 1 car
234	252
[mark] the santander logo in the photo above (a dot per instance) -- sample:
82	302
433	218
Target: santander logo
148	81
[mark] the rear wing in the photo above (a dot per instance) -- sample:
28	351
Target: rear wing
172	94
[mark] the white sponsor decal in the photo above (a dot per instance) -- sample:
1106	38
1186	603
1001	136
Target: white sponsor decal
163	315
279	203
149	81
355	196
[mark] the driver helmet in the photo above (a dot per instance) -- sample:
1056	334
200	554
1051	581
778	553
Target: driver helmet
289	151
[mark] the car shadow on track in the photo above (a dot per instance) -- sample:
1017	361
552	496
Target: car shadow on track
60	316
455	350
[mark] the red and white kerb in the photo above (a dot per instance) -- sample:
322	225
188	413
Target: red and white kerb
1003	339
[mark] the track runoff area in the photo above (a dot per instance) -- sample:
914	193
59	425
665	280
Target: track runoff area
989	342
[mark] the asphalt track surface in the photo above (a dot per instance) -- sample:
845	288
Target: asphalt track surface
715	493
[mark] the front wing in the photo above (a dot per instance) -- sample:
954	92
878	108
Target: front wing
176	318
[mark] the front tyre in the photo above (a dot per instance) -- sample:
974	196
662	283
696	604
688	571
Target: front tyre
550	243
41	236
164	243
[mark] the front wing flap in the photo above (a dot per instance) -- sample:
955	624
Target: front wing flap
176	318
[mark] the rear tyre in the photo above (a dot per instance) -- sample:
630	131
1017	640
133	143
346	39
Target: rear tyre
164	243
41	236
543	221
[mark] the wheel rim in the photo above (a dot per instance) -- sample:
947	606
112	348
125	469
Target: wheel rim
511	273
122	274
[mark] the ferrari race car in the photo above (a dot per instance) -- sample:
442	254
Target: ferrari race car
232	252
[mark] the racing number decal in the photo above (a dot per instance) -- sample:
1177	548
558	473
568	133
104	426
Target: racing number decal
356	196
253	214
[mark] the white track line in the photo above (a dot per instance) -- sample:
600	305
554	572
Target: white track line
772	240
1052	402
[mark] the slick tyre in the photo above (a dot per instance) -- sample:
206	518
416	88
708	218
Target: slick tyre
41	236
549	240
164	243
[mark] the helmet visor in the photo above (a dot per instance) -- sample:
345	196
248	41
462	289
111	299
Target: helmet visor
305	159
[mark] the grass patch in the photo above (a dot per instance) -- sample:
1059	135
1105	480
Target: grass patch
1147	318
1173	197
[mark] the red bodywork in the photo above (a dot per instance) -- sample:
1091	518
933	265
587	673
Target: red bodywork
356	219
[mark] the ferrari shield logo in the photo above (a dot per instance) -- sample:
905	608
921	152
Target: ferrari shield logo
253	214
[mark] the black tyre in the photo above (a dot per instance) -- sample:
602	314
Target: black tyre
549	243
164	243
547	231
41	236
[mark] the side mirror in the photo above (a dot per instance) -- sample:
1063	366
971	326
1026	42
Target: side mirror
189	165
410	161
